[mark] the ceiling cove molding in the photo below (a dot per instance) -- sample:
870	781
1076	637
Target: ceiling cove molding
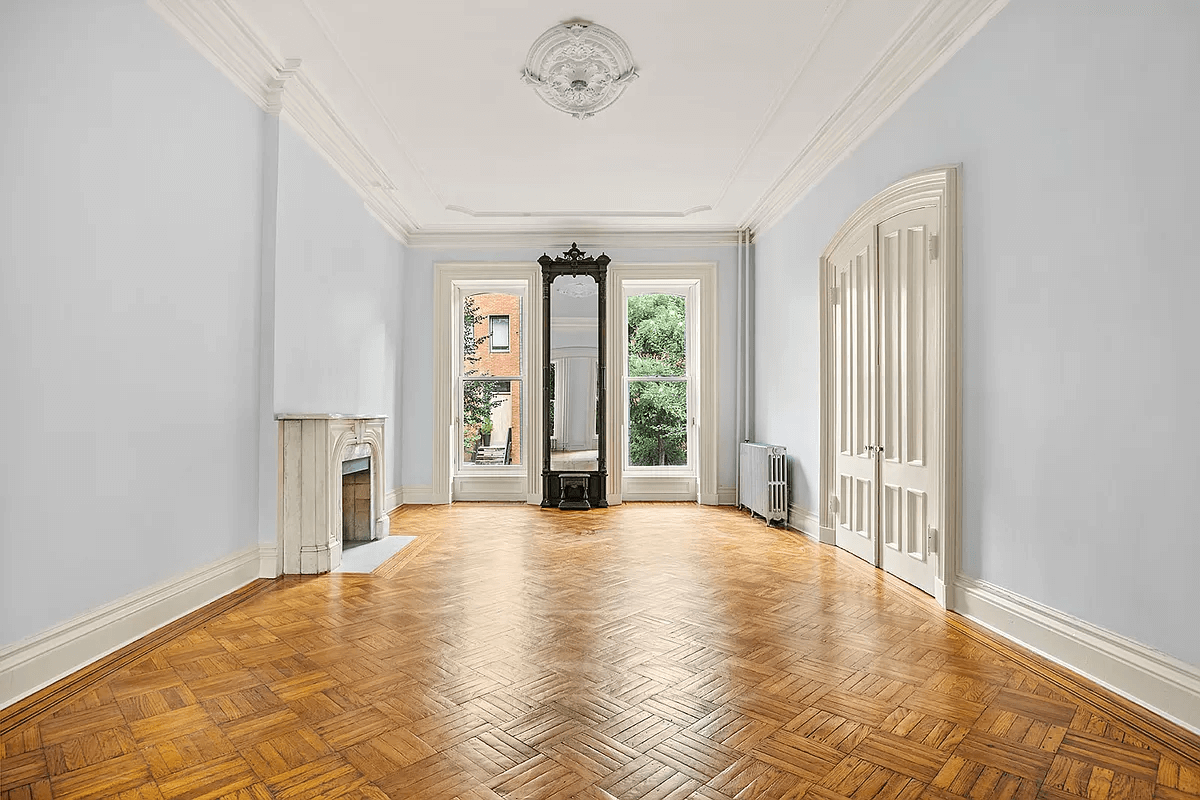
279	86
577	214
933	35
832	12
587	239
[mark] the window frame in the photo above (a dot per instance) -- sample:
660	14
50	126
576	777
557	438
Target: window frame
461	289
688	289
507	333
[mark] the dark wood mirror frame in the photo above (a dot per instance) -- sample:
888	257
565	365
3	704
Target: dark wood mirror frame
575	489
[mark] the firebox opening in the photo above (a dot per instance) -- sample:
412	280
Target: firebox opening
356	502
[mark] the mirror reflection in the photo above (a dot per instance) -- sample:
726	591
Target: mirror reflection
574	351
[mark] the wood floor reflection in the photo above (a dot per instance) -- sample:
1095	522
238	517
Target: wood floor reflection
643	651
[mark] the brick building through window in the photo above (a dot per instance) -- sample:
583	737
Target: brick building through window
497	338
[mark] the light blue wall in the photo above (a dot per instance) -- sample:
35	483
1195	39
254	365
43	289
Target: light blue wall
129	306
1076	123
417	414
337	296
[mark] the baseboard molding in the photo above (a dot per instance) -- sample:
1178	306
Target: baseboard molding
393	500
660	488
727	495
34	663
806	522
658	497
269	565
414	496
1164	684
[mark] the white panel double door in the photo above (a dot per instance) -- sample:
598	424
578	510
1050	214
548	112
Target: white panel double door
887	360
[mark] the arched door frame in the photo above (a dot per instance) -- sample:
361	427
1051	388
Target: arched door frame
937	187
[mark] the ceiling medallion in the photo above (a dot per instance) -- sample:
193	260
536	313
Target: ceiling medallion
579	68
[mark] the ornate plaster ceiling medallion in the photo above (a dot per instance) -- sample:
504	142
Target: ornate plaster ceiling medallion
579	68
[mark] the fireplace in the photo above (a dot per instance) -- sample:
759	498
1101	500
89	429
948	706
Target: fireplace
331	479
356	501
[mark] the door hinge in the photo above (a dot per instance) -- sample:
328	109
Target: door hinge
833	504
931	540
933	247
834	295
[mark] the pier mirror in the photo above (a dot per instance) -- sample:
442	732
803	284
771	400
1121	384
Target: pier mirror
574	472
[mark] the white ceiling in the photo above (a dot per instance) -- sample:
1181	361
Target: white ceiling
735	105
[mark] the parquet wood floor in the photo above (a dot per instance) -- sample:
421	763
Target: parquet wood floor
644	651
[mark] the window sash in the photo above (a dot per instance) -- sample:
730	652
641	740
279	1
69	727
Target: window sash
470	467
688	377
462	292
493	339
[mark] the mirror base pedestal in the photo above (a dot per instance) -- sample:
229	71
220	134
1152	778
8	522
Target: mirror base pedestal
574	488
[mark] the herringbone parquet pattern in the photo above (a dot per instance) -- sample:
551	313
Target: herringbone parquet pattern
664	651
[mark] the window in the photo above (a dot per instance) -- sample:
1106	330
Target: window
498	334
490	378
658	377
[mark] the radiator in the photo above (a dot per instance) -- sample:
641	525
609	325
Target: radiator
762	486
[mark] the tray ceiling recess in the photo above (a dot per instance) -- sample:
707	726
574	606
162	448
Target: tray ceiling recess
579	68
741	108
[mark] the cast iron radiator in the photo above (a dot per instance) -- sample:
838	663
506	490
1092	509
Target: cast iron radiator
763	483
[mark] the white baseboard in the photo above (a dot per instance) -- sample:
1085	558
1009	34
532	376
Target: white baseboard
269	565
658	497
1164	684
802	520
498	488
42	659
727	495
807	522
411	496
393	500
661	488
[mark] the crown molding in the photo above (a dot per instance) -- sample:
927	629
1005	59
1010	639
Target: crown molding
687	212
832	12
933	35
555	238
279	86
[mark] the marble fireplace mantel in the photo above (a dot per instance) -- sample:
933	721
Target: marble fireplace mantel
312	448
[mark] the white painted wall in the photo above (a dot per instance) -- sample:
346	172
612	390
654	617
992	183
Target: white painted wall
337	296
129	309
417	380
1076	124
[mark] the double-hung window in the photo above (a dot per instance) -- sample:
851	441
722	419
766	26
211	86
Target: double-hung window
490	376
659	391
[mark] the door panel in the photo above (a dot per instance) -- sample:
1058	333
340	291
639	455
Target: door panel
907	361
855	326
